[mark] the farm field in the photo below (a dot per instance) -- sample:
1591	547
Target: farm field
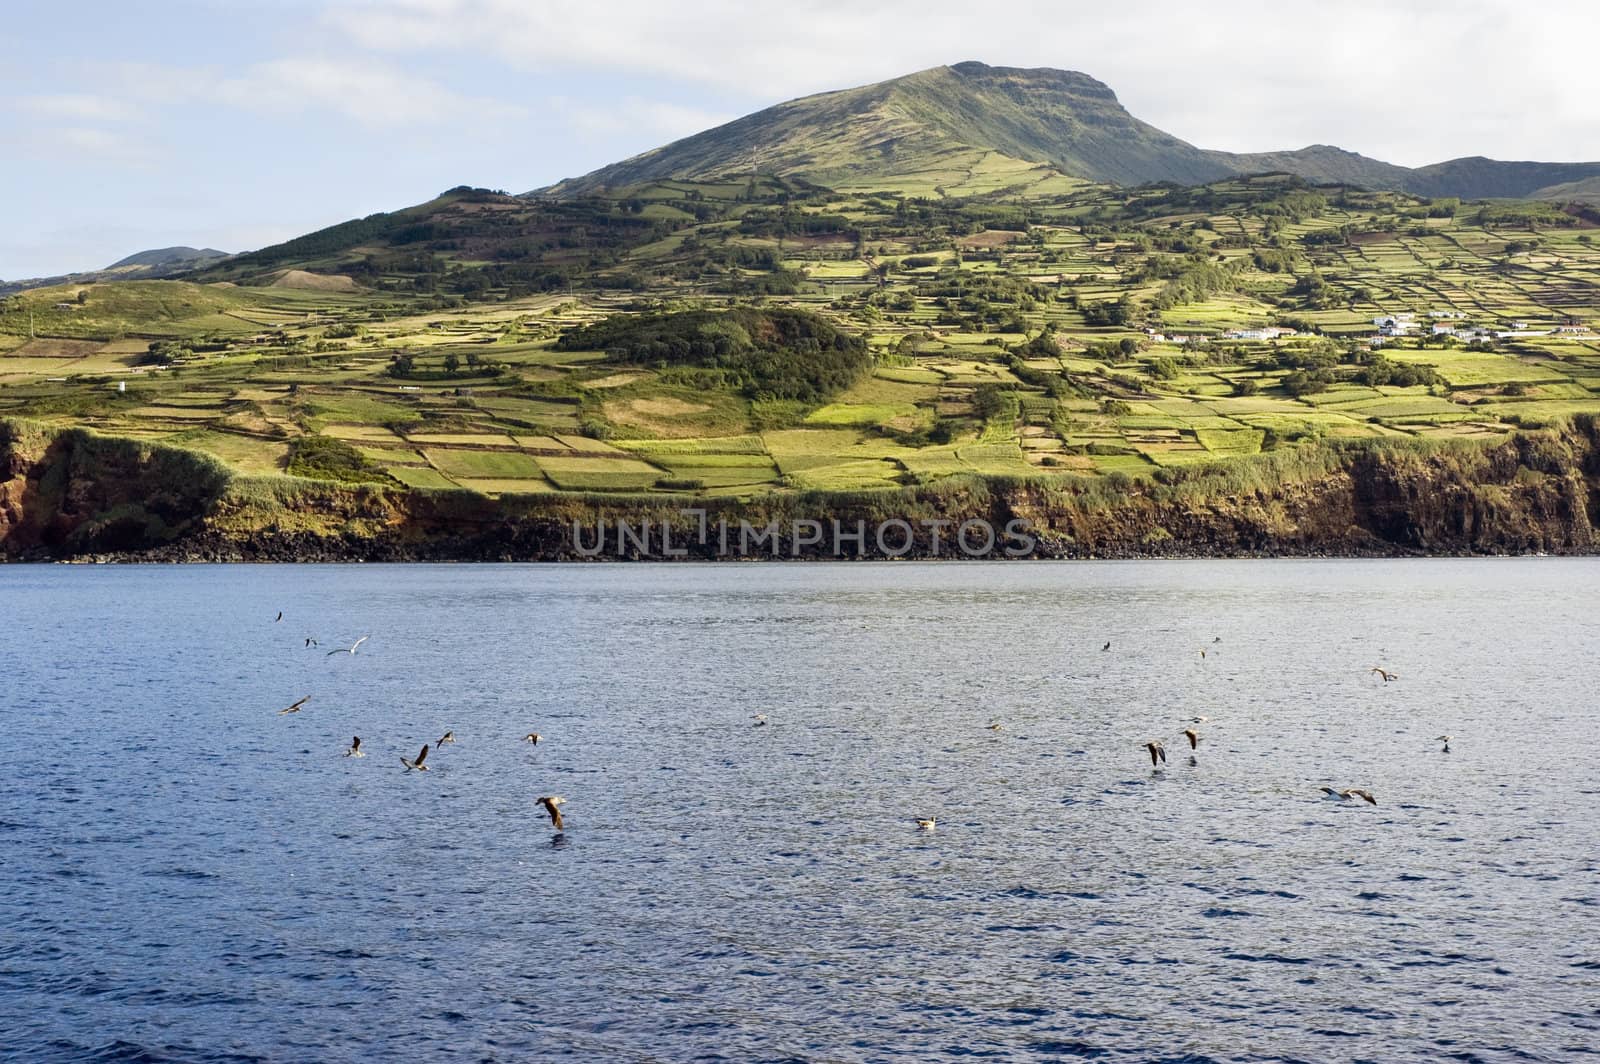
1007	324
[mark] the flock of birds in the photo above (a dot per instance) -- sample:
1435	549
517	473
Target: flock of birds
1158	751
551	803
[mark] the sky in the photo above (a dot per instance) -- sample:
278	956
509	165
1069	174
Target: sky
235	124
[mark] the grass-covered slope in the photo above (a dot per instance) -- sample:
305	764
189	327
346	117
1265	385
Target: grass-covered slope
948	120
921	122
773	338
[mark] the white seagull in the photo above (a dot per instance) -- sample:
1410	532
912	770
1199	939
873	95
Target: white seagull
352	648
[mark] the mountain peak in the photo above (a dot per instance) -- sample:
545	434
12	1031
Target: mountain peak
1064	80
941	119
972	128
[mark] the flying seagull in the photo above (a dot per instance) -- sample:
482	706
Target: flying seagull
1156	751
1218	639
355	748
926	823
532	737
1443	739
1193	737
447	737
1199	720
278	618
1347	794
552	804
996	726
311	642
418	763
1202	653
1388	677
351	649
1107	646
760	720
294	708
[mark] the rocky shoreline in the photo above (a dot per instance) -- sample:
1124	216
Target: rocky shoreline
70	495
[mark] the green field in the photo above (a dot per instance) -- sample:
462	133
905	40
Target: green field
1011	323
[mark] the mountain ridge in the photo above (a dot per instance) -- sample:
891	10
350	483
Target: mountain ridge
1063	119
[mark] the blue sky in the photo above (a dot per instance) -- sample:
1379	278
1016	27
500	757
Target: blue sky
126	126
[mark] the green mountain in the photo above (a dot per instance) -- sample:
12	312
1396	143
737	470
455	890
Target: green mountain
177	256
1585	191
1480	178
141	265
922	123
972	128
1321	163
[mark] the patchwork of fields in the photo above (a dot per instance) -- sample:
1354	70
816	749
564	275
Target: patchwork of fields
1089	338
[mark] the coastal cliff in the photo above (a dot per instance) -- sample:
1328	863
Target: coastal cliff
69	494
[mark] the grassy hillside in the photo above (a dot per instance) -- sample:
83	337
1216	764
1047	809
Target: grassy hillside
766	338
930	131
924	122
1480	178
1321	164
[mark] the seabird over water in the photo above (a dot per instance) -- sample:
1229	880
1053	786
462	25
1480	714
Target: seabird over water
1193	737
1156	751
355	748
447	737
278	618
1388	677
926	823
760	720
1446	740
351	649
418	763
294	708
1347	794
532	737
552	804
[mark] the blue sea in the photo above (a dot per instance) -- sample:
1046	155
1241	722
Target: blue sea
189	875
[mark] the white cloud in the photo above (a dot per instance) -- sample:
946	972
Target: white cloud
356	88
77	145
635	115
78	107
370	93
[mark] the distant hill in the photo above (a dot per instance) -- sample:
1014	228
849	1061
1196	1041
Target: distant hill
1585	191
185	256
150	265
1320	163
1480	178
942	120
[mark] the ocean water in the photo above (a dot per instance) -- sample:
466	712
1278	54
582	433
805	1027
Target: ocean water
187	875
